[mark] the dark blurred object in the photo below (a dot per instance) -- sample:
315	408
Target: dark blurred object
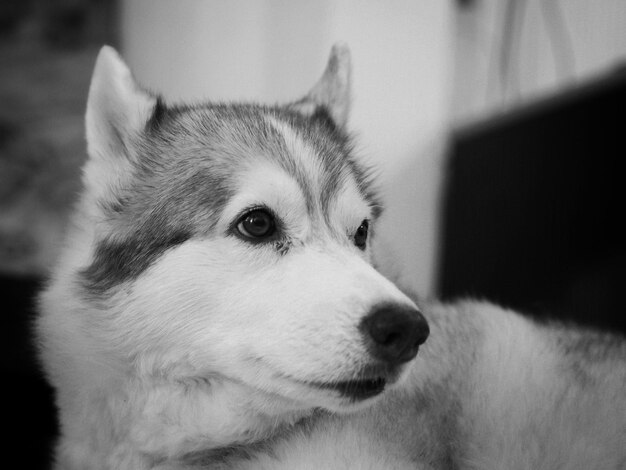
466	3
29	415
59	23
74	23
534	206
12	14
47	52
42	147
46	65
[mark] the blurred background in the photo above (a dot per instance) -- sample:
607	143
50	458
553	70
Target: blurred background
496	125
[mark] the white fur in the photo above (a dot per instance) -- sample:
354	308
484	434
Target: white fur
509	398
333	88
217	343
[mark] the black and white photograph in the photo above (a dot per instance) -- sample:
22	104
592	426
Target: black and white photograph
313	234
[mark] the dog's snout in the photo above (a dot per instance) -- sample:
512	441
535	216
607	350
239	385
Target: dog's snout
394	333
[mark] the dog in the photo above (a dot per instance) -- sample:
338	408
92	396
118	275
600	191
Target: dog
216	306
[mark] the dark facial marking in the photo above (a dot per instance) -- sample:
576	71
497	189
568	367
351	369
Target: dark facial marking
118	261
186	165
158	115
282	246
322	116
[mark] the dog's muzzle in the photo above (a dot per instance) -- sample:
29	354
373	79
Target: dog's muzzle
393	333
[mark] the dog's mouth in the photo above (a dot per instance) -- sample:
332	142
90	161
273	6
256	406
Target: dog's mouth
356	390
370	382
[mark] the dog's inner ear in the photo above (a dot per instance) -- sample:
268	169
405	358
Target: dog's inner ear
117	108
331	94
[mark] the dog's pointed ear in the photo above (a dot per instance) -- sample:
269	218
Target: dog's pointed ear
117	111
117	108
332	92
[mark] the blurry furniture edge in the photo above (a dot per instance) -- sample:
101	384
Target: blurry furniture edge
27	398
533	207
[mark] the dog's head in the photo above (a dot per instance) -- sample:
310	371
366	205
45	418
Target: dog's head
232	242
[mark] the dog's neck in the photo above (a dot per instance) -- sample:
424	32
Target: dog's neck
155	422
231	454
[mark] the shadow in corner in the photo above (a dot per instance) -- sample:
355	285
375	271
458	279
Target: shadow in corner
30	416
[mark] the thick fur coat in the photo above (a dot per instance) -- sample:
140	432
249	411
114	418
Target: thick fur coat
215	306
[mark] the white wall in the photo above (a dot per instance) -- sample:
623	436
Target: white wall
274	50
555	44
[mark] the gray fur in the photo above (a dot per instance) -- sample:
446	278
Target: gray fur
186	159
450	418
219	356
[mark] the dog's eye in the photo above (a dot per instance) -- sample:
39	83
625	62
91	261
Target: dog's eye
257	223
360	236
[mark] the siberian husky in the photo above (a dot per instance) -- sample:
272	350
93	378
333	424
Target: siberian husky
215	306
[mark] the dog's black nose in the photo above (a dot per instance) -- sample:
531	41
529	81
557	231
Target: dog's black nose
394	332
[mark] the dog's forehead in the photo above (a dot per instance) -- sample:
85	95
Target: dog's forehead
189	167
219	141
